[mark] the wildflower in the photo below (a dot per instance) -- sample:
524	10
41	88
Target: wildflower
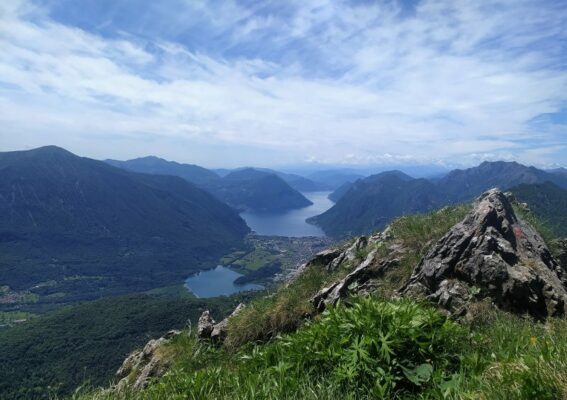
533	340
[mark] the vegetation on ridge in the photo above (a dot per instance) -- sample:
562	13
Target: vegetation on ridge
371	348
368	348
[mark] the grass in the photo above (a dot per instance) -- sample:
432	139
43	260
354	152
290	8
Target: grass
255	260
372	348
414	235
510	357
10	318
282	311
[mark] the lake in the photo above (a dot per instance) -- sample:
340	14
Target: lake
217	282
220	280
290	223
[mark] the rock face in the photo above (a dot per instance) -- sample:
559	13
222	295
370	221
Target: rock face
141	366
352	283
491	254
216	332
363	277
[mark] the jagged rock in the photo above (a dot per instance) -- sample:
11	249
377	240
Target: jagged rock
358	281
207	329
141	366
349	255
205	325
491	254
324	257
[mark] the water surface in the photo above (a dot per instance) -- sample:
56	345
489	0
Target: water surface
290	223
217	282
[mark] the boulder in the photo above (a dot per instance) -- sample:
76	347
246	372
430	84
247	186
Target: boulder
492	254
205	325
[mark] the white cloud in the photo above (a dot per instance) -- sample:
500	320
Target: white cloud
325	80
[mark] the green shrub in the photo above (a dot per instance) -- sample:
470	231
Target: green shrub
367	349
371	346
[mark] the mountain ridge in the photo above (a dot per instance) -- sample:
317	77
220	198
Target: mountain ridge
66	215
242	189
377	199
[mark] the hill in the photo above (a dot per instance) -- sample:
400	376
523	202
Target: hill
257	190
548	202
297	182
340	191
87	342
75	228
463	185
243	188
154	165
373	202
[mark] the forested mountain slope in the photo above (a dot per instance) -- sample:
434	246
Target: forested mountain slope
74	228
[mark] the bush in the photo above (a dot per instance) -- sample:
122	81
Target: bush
367	349
386	348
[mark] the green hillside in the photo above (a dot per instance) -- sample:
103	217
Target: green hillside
373	202
548	202
55	353
251	189
73	228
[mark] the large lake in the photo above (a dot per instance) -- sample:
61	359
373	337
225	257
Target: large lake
220	280
217	282
290	223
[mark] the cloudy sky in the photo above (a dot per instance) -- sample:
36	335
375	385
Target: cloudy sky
226	83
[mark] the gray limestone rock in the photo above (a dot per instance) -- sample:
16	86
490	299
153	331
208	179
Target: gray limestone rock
491	254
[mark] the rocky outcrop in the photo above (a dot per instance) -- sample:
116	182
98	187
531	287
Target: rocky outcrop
367	269
491	254
141	366
216	332
355	282
350	255
205	325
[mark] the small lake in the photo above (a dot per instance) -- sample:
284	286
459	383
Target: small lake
290	223
217	282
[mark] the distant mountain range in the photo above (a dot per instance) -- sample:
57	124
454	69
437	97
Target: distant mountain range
75	228
334	179
243	189
155	165
371	203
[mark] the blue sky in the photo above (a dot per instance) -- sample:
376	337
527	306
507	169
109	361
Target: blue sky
268	83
